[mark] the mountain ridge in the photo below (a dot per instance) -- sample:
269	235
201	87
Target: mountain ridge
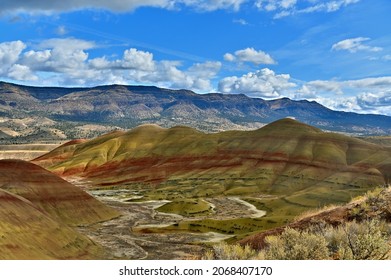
127	106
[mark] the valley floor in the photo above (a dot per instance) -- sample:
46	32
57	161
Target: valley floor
134	236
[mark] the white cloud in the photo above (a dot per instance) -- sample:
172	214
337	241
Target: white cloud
328	6
61	30
21	72
250	55
283	8
263	83
9	54
139	60
240	21
378	82
207	69
67	44
377	103
341	87
354	44
44	6
272	5
305	92
369	103
340	103
213	5
100	63
325	86
167	74
369	95
229	57
374	100
58	55
66	62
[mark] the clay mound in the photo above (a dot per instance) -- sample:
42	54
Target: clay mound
28	232
48	192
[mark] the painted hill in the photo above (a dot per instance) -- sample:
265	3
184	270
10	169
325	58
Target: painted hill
37	210
129	106
285	158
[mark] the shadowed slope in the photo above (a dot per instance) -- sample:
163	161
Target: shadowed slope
56	196
37	210
27	232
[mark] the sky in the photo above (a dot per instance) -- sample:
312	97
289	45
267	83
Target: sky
335	52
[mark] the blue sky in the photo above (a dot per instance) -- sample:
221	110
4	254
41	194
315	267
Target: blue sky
336	52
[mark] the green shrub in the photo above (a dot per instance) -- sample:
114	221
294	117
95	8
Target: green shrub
295	245
223	251
368	240
375	204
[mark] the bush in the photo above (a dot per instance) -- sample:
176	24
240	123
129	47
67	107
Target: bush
375	204
365	240
225	251
359	241
295	245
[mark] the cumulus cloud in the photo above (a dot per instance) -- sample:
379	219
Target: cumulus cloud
139	60
325	86
250	55
263	83
354	45
21	72
369	95
341	87
58	55
367	102
9	54
340	103
44	6
66	61
283	8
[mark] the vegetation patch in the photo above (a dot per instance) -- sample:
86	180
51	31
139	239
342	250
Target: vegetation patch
187	207
368	240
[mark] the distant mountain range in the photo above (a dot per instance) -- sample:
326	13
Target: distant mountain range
62	110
